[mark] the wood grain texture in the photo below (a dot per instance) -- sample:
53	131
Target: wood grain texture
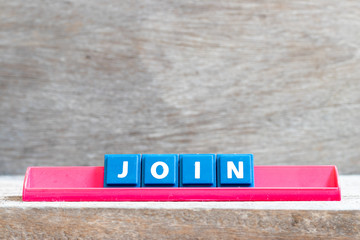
85	223
279	79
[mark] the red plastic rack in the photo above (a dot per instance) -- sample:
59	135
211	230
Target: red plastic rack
272	183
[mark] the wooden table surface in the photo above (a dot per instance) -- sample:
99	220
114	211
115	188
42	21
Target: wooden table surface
81	78
174	220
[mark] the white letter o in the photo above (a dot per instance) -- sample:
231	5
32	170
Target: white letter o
164	173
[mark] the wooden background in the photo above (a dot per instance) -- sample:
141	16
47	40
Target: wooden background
280	79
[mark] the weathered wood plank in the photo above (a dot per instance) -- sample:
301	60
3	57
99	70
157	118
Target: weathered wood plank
174	224
275	78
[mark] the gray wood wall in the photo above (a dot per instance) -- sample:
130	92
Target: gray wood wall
81	78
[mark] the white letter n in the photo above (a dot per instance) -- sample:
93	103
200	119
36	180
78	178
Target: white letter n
125	170
239	173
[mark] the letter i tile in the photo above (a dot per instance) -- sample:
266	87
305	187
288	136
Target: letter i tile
197	170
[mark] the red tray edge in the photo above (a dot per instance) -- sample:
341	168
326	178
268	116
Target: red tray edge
183	194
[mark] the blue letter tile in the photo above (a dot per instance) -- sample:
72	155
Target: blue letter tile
160	170
122	170
235	170
197	170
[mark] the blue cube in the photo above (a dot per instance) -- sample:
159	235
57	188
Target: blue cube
160	170
197	170
235	170
122	170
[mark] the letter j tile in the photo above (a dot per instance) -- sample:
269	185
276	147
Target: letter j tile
122	170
